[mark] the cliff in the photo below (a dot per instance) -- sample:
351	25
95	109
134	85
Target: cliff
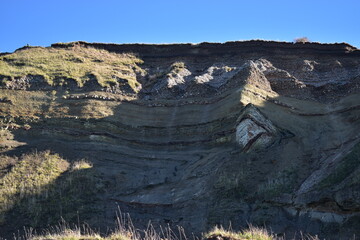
255	132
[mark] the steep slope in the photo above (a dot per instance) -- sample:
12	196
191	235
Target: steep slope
196	135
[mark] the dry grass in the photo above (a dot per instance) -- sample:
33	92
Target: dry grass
30	104
252	233
5	135
77	63
125	230
150	234
67	235
63	231
177	66
34	105
81	164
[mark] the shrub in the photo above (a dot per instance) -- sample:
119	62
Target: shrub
302	40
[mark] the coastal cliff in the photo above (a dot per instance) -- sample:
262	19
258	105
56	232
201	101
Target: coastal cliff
194	135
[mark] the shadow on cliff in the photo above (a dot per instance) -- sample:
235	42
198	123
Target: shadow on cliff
165	145
252	185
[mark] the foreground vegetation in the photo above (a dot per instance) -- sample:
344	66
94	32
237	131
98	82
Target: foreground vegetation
126	231
251	233
58	66
39	188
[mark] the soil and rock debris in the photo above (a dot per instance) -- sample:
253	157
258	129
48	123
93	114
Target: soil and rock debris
194	135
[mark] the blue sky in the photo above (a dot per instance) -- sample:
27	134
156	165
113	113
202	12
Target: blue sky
42	22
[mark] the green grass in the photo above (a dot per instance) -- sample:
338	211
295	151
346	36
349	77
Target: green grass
41	188
60	65
31	175
36	105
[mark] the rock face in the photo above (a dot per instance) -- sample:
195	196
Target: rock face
255	132
253	129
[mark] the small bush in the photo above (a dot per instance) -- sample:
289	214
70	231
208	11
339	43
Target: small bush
302	40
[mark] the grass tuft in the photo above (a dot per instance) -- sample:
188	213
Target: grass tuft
125	230
252	233
82	164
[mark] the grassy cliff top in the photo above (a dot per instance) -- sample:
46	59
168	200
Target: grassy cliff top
78	63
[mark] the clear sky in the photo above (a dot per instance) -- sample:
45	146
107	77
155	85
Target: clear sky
42	22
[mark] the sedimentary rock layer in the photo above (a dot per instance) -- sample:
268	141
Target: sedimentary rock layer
243	132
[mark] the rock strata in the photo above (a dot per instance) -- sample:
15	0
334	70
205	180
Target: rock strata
253	129
206	134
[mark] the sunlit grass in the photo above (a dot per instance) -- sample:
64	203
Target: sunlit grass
44	188
252	233
30	175
77	63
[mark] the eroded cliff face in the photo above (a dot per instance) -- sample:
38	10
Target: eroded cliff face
255	132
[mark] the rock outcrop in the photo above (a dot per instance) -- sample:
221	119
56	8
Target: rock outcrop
255	132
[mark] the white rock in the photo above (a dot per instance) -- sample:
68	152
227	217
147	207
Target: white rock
253	129
246	131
